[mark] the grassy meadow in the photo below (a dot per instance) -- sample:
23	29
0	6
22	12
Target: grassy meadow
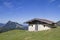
53	34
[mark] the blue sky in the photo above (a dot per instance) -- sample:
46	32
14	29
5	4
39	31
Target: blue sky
23	10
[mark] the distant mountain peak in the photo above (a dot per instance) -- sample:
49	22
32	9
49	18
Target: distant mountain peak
58	23
9	21
13	25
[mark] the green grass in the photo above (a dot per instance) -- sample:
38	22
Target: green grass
53	34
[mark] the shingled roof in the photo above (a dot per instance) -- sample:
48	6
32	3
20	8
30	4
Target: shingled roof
42	20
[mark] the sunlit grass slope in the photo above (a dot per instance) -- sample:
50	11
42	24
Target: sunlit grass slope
53	34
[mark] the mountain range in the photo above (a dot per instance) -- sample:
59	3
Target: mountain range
11	26
58	23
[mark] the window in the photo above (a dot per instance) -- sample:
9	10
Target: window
44	25
32	25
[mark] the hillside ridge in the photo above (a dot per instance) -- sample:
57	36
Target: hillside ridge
52	34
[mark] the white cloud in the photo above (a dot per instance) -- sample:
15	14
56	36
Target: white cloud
8	4
11	4
52	1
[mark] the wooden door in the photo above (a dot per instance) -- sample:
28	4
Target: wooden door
36	27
